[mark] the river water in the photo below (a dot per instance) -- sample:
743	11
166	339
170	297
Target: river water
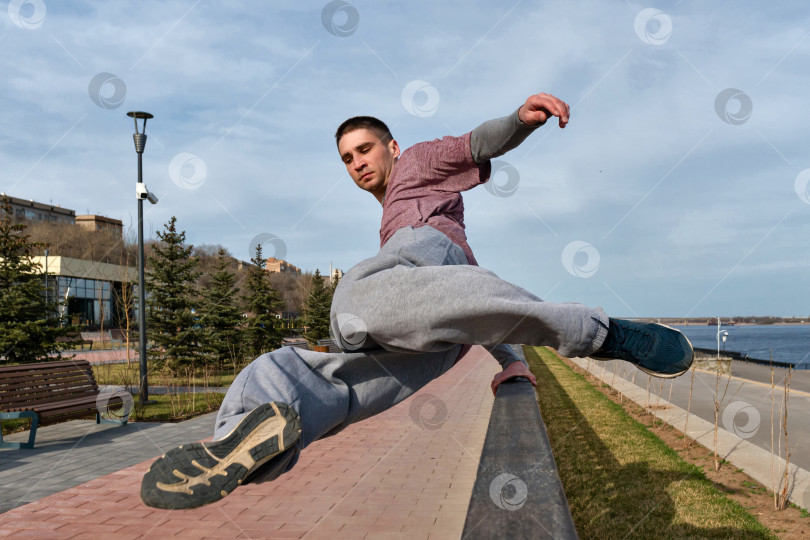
787	342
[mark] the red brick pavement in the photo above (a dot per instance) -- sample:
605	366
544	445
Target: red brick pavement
401	474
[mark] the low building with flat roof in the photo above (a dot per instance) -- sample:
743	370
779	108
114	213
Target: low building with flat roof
90	292
35	211
100	223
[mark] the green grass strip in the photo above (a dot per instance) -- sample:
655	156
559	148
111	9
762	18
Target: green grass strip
125	375
178	407
620	479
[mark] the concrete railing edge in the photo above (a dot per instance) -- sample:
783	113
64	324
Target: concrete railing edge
517	491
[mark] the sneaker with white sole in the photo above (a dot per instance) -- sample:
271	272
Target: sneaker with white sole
654	348
201	473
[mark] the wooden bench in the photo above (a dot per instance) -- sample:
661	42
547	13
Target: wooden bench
75	338
49	392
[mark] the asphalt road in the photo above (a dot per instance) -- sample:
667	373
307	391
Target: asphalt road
745	407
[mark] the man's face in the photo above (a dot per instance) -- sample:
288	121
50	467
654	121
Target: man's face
368	160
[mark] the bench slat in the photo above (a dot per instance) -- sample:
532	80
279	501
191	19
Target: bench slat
67	406
45	391
86	399
43	366
42	388
87	406
46	398
39	382
45	381
19	373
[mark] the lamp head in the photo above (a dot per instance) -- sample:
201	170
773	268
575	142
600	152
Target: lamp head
140	137
142	115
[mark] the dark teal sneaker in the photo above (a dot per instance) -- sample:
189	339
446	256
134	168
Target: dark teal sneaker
654	348
200	473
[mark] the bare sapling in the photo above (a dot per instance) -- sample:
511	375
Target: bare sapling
207	385
102	313
123	299
660	389
191	388
784	495
671	384
718	400
647	403
688	407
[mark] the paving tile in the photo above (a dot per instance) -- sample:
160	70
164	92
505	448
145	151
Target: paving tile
42	534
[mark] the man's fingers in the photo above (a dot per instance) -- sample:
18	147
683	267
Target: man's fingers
554	105
546	105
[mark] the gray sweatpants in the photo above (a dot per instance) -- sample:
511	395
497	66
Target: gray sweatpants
402	317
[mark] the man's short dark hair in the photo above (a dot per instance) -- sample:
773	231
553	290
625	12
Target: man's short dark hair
364	122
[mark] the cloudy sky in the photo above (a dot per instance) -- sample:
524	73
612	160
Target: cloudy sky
679	188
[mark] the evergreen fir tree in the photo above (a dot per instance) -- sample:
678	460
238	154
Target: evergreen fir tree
335	280
28	324
262	301
220	317
318	306
170	297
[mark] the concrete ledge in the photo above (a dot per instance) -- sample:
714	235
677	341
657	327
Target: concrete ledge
517	492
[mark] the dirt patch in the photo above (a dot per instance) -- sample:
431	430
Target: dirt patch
792	523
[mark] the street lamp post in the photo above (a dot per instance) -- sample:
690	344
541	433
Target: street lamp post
724	335
141	193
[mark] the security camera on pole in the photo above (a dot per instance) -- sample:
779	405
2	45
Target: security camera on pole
141	193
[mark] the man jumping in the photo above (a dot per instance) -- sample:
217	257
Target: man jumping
403	317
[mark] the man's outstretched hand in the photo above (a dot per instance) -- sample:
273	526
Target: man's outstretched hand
515	369
540	107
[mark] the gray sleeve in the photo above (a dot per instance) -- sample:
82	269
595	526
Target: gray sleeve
505	354
496	137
